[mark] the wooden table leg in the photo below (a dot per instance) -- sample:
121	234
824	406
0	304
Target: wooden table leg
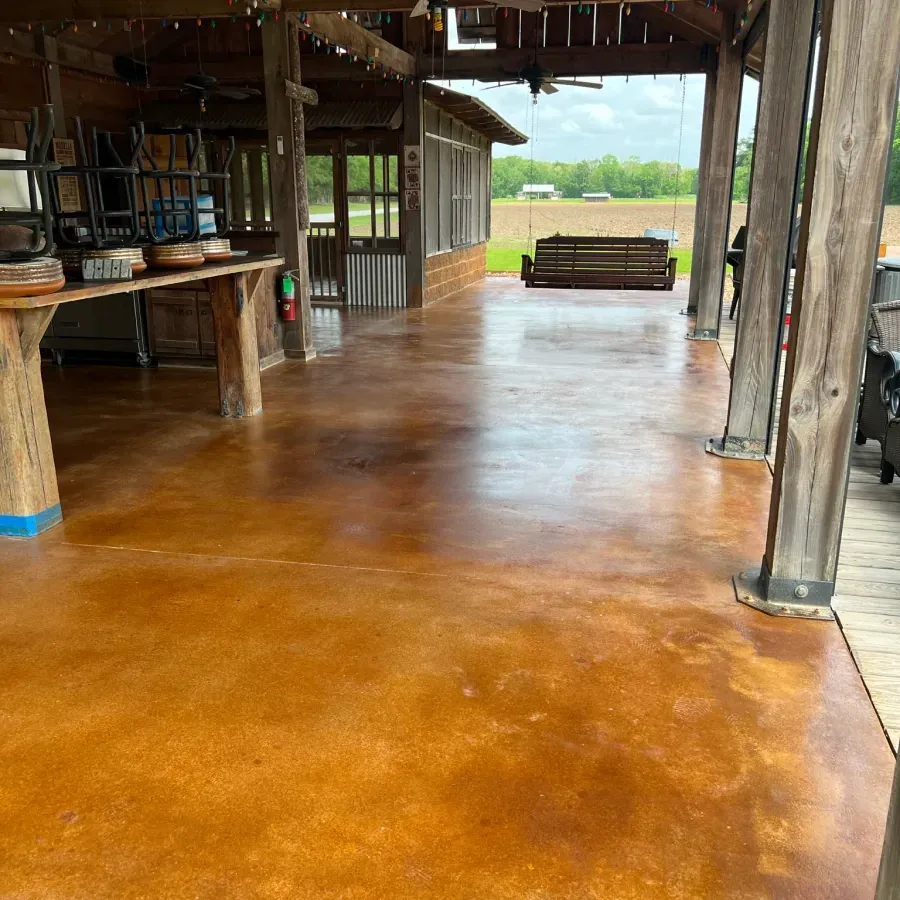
240	393
29	497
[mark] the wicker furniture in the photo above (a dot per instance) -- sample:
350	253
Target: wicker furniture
884	337
600	262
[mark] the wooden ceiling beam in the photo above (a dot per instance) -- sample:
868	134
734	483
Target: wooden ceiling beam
69	56
745	19
84	10
626	59
359	41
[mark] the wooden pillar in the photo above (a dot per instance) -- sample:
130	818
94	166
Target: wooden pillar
888	887
45	45
780	134
850	141
719	186
237	358
287	168
709	102
413	136
29	497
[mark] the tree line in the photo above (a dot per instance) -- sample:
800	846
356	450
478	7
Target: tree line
621	178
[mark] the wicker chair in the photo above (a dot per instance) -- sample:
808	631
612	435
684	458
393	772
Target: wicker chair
890	390
884	337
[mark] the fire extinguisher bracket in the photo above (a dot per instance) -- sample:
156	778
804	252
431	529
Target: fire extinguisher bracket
288	304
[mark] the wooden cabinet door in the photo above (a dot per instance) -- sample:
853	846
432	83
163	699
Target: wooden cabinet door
207	331
174	326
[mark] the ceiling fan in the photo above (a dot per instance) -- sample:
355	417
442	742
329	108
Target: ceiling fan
206	86
541	80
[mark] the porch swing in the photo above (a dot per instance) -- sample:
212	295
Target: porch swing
610	263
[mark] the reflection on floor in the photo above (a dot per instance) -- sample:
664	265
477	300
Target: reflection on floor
451	619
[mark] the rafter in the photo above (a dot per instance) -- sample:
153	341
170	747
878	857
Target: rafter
346	33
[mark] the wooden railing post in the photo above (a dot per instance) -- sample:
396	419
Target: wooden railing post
719	185
850	141
780	133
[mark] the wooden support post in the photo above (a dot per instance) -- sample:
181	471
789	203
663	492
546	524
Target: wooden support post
234	321
709	103
888	886
29	497
287	174
780	133
719	185
413	136
850	141
46	47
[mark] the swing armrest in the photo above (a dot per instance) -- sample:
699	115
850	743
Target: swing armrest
527	266
673	266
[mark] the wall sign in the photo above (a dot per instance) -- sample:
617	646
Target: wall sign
413	178
413	200
412	155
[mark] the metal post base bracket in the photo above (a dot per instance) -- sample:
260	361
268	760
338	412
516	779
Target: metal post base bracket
689	311
737	448
767	595
708	334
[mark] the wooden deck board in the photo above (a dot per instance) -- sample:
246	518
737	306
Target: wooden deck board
867	602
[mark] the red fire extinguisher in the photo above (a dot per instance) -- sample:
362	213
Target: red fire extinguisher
288	301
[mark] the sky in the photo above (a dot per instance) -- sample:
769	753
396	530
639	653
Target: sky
640	117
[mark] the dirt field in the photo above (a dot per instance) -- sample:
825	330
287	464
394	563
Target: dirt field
509	221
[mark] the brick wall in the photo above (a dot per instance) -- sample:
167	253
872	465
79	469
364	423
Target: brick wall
447	273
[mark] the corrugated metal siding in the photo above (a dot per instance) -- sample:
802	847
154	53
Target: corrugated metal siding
376	280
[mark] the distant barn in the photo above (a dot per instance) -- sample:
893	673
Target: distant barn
596	198
539	192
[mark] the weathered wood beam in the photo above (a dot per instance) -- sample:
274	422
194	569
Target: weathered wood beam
706	135
45	46
359	41
414	219
628	59
29	496
747	18
850	141
287	175
757	31
74	10
780	133
301	94
237	359
23	45
719	184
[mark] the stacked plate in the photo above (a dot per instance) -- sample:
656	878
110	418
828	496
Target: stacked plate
70	258
135	254
31	277
216	249
176	256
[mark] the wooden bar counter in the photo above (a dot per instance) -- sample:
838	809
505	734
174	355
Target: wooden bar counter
29	497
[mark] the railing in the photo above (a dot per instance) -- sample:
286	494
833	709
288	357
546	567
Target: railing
324	263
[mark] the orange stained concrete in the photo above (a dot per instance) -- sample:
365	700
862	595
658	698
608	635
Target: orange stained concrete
451	620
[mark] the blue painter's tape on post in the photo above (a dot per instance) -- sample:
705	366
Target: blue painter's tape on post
29	526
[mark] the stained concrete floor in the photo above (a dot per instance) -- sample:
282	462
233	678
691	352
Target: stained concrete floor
451	619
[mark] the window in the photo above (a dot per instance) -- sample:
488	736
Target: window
373	196
462	196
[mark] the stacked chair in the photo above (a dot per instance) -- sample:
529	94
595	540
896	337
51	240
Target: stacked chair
27	267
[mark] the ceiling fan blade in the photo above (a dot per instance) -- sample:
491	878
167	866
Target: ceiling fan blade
548	88
420	8
236	93
525	5
502	84
586	84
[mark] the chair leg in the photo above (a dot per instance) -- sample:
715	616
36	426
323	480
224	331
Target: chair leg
860	437
887	472
735	301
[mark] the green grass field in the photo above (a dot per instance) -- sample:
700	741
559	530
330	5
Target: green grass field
506	258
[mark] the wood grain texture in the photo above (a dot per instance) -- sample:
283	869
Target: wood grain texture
719	181
77	290
289	201
27	473
414	220
850	140
780	132
237	359
359	40
709	105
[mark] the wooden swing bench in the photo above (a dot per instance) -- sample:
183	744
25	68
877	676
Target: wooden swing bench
600	262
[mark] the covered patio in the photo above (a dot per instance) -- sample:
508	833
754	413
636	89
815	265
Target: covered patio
454	615
490	604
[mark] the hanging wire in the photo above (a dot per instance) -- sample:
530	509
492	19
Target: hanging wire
533	130
678	161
